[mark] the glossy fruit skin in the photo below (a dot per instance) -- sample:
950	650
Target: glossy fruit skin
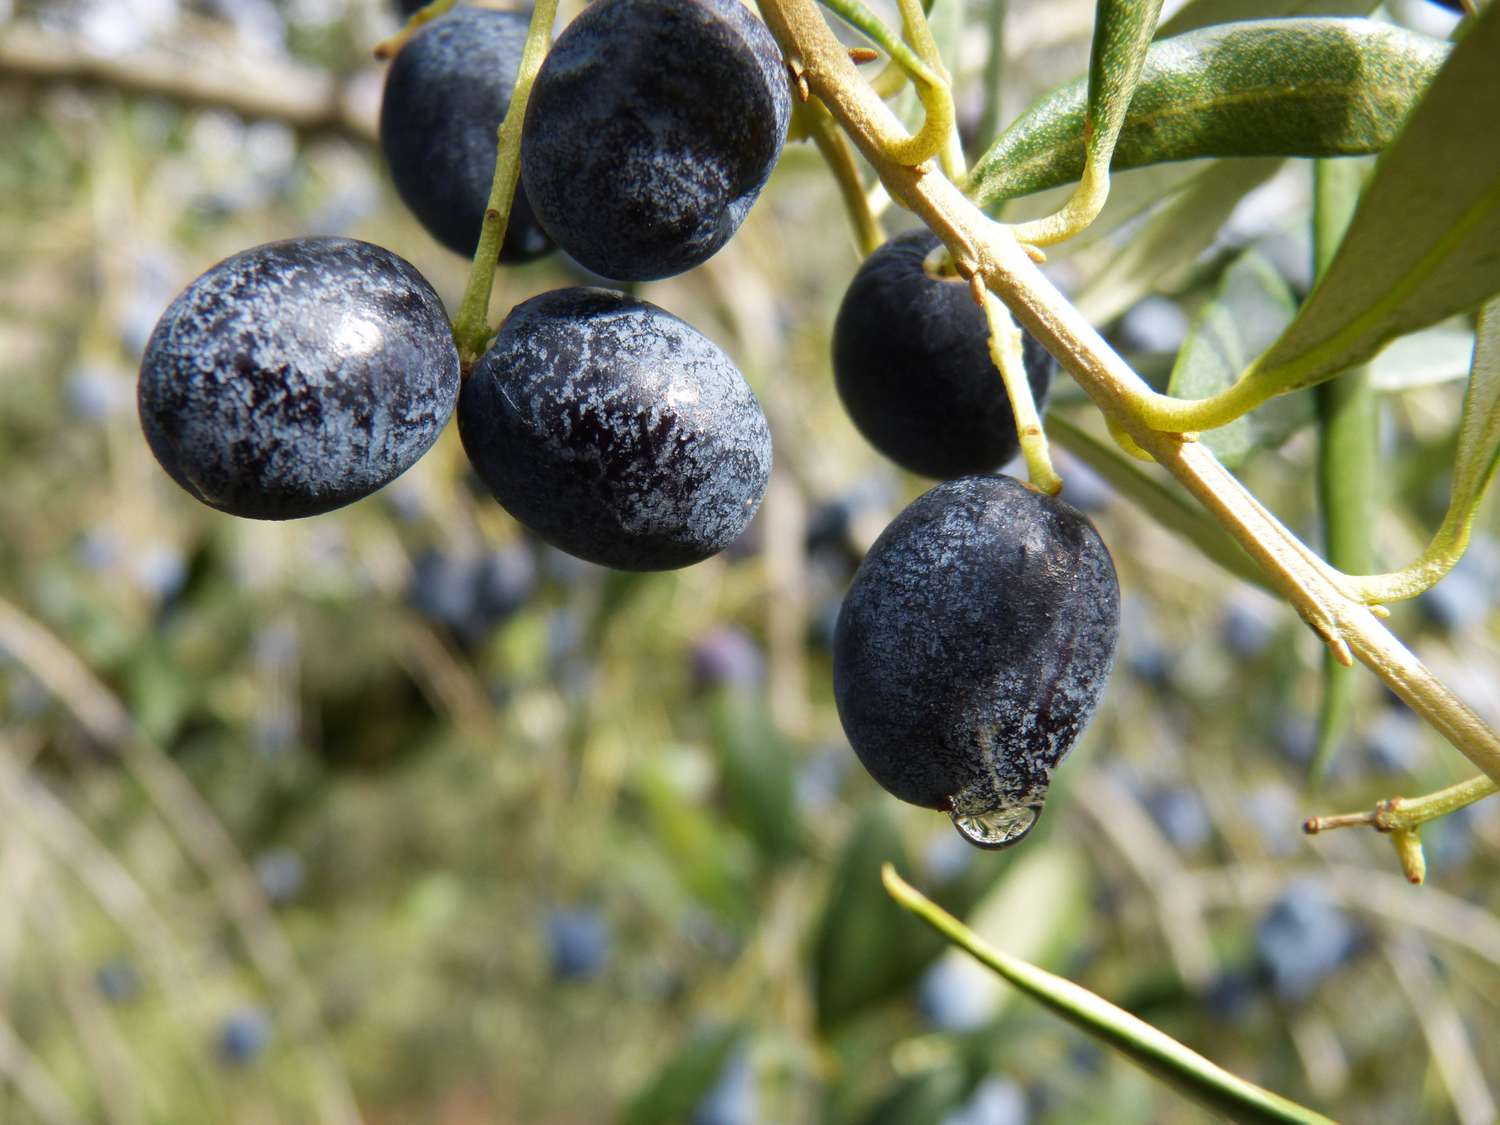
651	129
615	431
296	377
974	644
444	97
912	365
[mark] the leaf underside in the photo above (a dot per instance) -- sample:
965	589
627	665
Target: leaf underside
1299	87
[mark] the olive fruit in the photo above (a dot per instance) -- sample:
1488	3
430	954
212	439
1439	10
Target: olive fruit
615	431
971	649
298	376
912	364
651	129
444	97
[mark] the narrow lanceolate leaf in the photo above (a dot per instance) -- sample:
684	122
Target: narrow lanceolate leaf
1310	87
1122	33
1425	242
1206	13
1251	307
1166	503
1479	426
1154	1051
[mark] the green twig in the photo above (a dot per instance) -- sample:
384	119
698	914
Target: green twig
1347	444
1009	358
1156	1052
471	327
389	48
838	154
1408	813
932	86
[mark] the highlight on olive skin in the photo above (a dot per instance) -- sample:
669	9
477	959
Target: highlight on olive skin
615	431
912	365
634	195
972	649
296	377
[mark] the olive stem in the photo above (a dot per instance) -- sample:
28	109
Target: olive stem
987	248
1407	814
388	48
471	328
834	147
1160	1055
1010	359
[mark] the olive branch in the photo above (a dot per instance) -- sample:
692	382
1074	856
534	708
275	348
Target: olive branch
1333	605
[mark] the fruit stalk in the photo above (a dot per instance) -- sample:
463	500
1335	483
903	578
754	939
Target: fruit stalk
989	250
471	327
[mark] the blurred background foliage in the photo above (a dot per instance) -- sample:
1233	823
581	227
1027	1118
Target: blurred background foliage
400	814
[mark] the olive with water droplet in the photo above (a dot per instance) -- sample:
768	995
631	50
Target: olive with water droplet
972	649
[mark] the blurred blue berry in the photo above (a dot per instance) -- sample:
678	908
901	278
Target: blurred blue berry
281	874
995	1101
1246	629
579	940
242	1036
732	1100
727	657
117	980
160	571
1393	742
1181	815
947	1002
1302	939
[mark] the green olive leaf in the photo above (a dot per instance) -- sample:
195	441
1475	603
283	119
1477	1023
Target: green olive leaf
1425	242
1180	230
1153	1050
1479	425
1307	87
1251	308
1166	503
1122	34
1206	13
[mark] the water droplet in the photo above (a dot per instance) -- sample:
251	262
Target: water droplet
997	828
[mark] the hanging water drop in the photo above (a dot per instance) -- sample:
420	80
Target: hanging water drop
997	828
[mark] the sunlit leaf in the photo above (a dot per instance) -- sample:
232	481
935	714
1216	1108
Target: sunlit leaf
1425	243
1314	87
1175	235
1205	13
1250	309
1166	503
1153	1050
